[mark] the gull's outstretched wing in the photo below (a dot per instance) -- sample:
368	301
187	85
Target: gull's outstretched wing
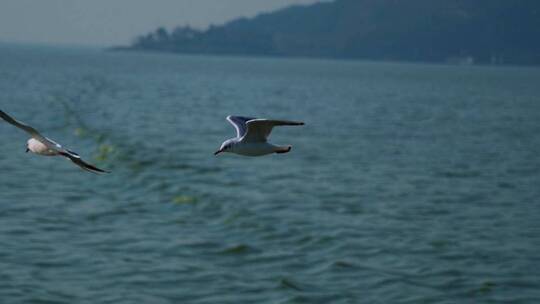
76	159
239	123
259	129
33	132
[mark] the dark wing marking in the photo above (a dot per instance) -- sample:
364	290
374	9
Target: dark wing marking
239	123
73	153
259	129
76	159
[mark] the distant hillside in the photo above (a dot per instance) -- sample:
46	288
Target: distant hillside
458	31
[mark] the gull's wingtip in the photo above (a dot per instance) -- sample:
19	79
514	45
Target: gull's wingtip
230	118
98	171
4	115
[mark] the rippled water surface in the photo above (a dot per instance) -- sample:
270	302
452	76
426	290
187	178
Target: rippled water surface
408	183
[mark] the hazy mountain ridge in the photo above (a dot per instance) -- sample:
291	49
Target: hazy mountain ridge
460	31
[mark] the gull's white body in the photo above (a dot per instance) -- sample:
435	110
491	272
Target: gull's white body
251	136
37	147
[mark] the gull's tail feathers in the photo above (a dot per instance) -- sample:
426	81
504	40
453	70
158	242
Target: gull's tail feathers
284	149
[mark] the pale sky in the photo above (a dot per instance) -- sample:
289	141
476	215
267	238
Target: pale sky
115	22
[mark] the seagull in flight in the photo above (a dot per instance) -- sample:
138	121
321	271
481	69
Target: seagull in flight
42	145
251	136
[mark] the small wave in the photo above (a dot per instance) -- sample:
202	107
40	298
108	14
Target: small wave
239	249
459	174
289	284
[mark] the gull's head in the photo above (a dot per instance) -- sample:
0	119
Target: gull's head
28	143
226	146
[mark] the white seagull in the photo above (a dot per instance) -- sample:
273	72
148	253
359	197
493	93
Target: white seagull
42	145
251	136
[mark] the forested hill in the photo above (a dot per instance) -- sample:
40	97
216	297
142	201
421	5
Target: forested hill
459	31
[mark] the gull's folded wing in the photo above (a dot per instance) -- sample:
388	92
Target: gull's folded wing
239	123
259	129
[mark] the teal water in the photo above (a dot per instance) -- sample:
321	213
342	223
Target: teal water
408	184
